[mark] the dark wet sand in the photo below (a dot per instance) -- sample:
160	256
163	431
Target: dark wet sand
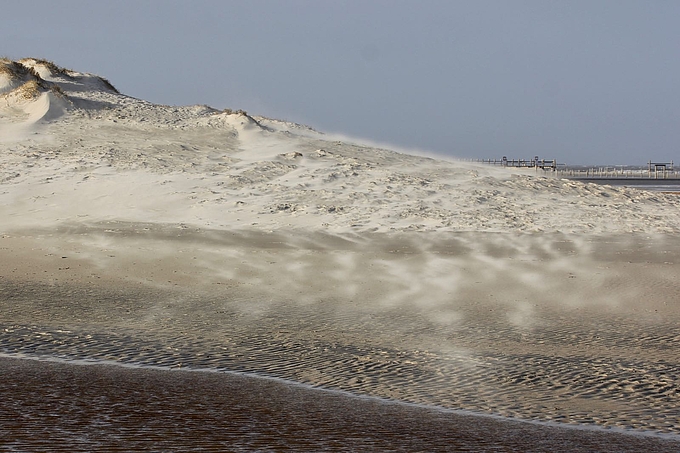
50	406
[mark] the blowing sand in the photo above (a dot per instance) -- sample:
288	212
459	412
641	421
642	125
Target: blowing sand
189	238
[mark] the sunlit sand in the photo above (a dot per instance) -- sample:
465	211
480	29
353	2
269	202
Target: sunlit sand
191	238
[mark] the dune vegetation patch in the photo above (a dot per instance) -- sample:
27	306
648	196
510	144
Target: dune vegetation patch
108	85
34	88
38	64
43	71
22	79
16	71
30	89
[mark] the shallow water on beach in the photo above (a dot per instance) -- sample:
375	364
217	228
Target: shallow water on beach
56	406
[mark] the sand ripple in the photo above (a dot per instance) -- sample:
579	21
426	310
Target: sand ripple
557	334
59	407
619	393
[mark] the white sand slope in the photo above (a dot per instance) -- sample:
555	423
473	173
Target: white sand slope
227	170
256	244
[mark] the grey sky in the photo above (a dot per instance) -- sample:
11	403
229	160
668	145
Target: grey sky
591	82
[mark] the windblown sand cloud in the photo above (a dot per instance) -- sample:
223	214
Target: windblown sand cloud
221	239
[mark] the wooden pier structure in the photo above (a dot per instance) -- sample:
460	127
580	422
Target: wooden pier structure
537	163
654	171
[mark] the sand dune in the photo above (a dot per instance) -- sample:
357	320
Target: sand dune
229	169
26	99
193	237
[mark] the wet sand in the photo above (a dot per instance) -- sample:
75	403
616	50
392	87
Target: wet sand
51	406
556	329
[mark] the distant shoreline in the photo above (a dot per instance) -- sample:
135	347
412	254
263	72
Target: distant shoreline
656	185
628	181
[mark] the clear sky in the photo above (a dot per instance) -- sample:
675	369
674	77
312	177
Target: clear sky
585	82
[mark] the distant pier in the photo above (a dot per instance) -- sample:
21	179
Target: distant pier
537	163
655	171
656	176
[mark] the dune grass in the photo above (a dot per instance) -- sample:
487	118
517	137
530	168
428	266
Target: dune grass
33	84
51	66
108	85
17	71
30	89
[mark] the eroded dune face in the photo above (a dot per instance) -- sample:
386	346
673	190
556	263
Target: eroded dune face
219	239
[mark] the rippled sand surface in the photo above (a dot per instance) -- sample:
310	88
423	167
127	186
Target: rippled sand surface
551	331
58	407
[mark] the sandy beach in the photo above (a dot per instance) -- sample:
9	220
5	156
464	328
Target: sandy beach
185	238
58	407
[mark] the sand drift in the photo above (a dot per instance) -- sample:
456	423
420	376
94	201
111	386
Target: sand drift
192	238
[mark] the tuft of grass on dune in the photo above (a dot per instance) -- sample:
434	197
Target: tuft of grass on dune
33	85
30	89
108	85
54	69
25	70
17	71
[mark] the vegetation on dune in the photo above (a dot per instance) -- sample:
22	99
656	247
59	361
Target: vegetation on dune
56	89
235	112
17	71
33	84
51	66
25	70
242	112
29	90
108	85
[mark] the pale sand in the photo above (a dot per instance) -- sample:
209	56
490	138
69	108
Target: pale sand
184	236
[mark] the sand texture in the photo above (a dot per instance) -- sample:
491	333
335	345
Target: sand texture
108	408
191	238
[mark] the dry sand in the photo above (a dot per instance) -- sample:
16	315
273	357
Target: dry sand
184	237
